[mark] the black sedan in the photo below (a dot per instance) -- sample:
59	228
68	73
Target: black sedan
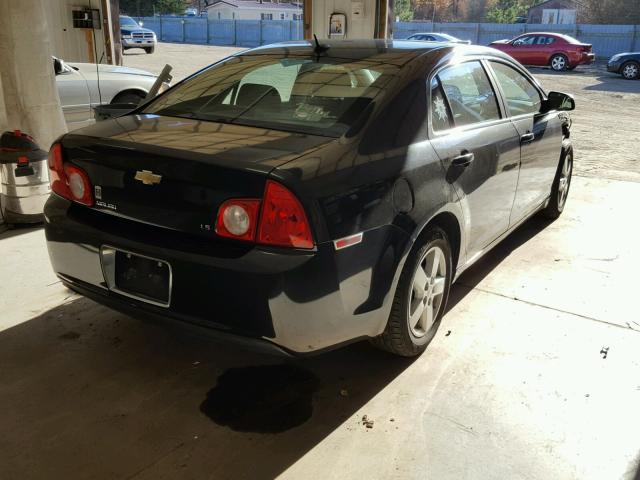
302	196
626	64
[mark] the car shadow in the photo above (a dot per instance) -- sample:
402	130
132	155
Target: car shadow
6	232
483	267
612	82
96	394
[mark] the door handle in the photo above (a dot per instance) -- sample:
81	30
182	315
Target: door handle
527	138
463	160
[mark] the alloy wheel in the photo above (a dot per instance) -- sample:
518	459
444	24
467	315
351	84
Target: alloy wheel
427	290
558	63
564	181
630	71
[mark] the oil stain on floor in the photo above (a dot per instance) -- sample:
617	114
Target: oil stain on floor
262	399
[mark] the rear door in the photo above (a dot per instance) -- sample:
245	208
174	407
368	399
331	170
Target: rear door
540	137
546	46
479	149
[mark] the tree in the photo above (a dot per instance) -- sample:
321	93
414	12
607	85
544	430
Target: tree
402	10
609	11
506	11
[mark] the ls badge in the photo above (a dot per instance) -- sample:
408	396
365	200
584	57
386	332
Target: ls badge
147	177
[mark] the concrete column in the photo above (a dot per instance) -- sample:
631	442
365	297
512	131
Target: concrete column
29	98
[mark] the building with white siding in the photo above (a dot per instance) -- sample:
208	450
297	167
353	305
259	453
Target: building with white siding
253	10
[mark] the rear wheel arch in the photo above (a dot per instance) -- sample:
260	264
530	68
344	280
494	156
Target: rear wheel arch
450	224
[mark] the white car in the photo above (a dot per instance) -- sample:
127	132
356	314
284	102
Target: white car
82	86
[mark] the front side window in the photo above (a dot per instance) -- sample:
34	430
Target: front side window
302	94
469	92
527	40
520	94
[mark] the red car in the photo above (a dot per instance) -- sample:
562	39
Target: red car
560	52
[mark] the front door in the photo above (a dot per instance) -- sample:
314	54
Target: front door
525	50
74	97
540	134
479	149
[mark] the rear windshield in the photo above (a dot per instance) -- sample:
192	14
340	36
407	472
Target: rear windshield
322	96
569	39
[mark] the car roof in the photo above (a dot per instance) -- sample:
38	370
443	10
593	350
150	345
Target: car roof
361	49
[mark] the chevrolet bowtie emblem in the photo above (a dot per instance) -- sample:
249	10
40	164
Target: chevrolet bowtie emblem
147	177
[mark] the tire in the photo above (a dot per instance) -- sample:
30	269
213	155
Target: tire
559	63
399	336
561	184
129	97
630	70
150	49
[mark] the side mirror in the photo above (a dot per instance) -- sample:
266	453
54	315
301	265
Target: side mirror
57	66
141	23
558	101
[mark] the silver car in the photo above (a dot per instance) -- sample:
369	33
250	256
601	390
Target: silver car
82	86
437	37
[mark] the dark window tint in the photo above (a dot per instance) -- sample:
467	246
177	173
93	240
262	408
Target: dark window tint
440	112
521	96
542	40
470	95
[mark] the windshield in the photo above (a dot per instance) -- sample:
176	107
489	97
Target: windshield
322	96
128	22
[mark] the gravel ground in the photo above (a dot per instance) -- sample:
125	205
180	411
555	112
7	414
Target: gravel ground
606	122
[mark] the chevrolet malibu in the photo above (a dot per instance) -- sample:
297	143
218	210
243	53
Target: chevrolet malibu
301	196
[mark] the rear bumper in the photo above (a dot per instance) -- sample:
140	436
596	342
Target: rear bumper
294	301
588	58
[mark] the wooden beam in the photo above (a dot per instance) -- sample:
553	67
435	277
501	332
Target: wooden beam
384	24
307	16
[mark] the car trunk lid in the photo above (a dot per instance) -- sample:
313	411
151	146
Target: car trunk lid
175	173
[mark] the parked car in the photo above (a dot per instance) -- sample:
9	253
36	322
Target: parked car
82	86
437	37
626	64
560	52
302	197
134	36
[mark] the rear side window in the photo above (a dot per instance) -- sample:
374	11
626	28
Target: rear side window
520	94
470	94
542	40
441	118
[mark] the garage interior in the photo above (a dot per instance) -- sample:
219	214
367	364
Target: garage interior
534	372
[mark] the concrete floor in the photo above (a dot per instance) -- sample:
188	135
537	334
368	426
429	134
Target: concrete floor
534	374
514	385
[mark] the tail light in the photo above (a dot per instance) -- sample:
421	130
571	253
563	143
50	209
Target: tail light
67	180
277	219
238	219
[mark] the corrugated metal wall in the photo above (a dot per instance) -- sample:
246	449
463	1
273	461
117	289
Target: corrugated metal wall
607	40
243	33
